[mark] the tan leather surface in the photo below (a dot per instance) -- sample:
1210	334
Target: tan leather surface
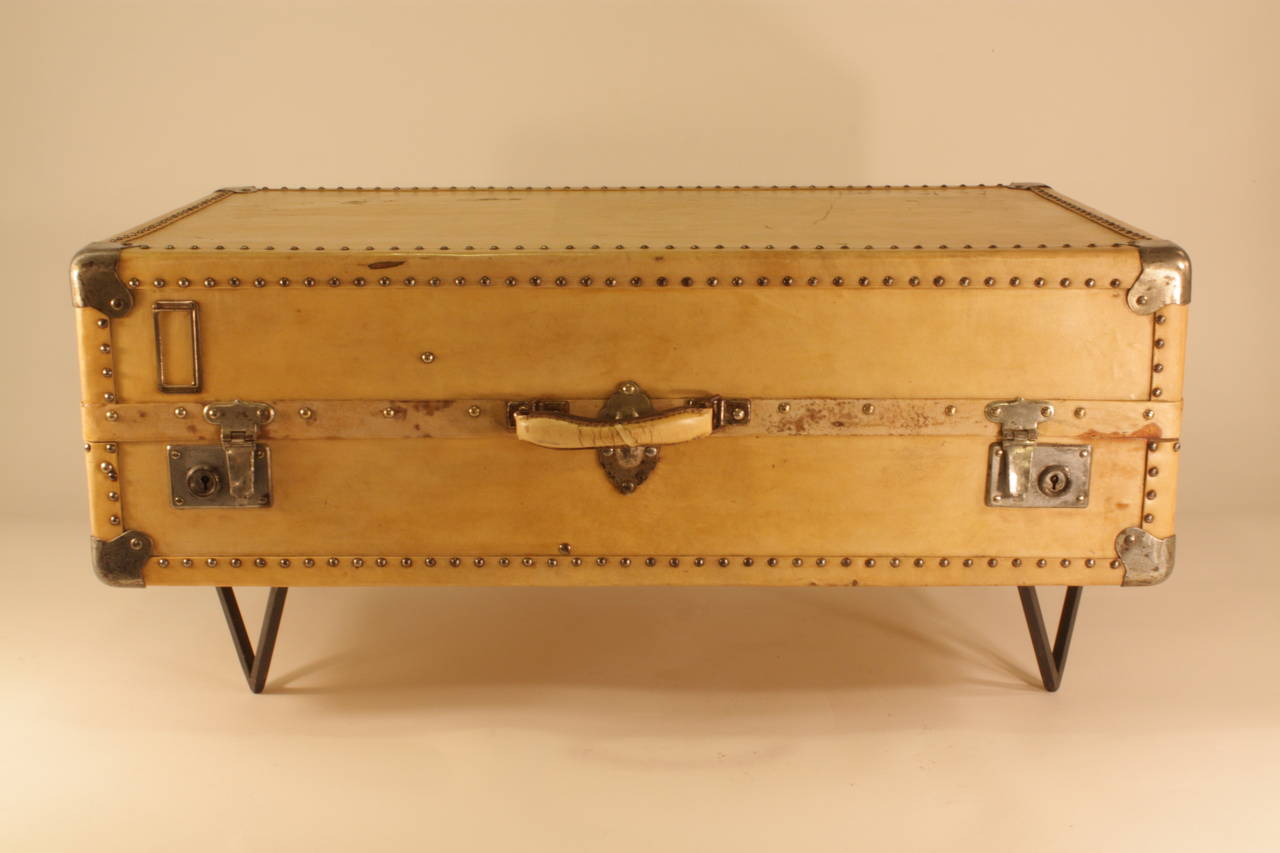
566	432
349	343
880	217
797	495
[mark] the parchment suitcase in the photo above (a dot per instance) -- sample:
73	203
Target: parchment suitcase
708	386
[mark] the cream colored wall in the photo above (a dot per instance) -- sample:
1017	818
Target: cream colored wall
1162	114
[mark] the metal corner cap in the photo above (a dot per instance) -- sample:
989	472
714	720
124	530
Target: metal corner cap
1147	559
237	189
95	283
119	561
1027	185
1165	278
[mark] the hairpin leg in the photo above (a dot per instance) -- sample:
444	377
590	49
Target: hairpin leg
1053	660
255	665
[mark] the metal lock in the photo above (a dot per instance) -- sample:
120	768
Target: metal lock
234	473
1022	472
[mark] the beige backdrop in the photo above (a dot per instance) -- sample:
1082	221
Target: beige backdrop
1162	113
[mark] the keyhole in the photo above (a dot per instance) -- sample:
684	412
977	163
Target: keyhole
203	482
1054	481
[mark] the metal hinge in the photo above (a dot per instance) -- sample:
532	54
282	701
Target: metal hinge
1021	472
234	473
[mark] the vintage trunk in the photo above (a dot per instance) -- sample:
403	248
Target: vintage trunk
764	386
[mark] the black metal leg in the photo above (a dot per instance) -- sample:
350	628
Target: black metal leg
255	666
1053	660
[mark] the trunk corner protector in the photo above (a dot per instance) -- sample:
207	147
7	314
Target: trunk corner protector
1147	559
119	561
95	282
1165	278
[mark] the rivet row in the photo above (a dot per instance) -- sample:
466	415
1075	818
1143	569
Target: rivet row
625	562
634	281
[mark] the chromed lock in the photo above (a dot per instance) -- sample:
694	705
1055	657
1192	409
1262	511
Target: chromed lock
1022	472
233	473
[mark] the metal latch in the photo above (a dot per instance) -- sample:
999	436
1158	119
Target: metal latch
234	473
1021	472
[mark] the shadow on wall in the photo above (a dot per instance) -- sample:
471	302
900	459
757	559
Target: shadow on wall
732	93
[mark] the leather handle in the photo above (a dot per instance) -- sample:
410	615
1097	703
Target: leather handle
569	432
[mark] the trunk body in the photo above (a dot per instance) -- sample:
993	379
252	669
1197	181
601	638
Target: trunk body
412	357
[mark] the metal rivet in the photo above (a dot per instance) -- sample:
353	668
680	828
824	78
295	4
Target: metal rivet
602	561
1065	563
427	357
115	519
1159	343
260	562
625	562
211	562
1042	563
106	371
989	281
1016	562
868	409
111	415
993	562
1151	495
1153	472
1046	411
950	410
553	562
187	562
180	412
473	411
1084	454
478	562
306	413
1157	392
1081	411
113	496
284	563
406	561
1142	300
108	397
723	562
869	563
651	451
389	412
357	562
895	562
1148	413
1091	562
797	562
784	407
102	324
888	281
308	562
1177	445
104	348
1157	368
918	563
1066	282
162	563
1148	518
332	561
968	563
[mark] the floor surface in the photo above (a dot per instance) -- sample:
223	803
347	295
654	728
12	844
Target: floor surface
620	720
